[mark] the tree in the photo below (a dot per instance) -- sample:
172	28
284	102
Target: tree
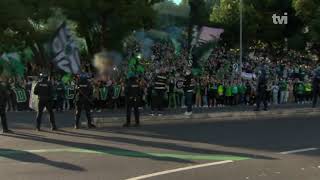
309	12
21	24
104	24
171	14
257	20
315	27
306	9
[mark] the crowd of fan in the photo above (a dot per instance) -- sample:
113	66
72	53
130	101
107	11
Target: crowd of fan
220	83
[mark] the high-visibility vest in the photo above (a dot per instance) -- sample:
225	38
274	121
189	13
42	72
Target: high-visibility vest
220	90
308	87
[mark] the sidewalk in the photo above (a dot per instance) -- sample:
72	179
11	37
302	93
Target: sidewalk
217	114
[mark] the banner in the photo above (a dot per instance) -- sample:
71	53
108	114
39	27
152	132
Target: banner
34	99
103	91
20	94
116	91
70	92
65	52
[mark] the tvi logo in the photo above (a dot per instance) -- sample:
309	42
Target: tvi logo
280	19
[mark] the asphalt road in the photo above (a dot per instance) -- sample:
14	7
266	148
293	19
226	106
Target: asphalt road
260	148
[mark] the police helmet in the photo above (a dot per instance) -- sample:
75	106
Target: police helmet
131	75
43	76
83	77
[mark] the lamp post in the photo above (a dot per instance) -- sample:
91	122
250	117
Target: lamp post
241	35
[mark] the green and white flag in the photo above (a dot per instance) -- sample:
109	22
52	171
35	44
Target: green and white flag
65	51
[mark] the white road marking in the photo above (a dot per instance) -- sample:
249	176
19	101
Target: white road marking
180	169
299	150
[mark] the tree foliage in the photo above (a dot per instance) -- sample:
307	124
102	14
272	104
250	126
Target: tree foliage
104	24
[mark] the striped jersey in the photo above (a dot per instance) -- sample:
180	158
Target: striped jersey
160	83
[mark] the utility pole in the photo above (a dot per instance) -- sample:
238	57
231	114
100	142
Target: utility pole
241	36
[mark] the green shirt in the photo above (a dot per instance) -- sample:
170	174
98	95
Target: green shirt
242	89
283	86
300	88
235	90
220	90
229	91
308	87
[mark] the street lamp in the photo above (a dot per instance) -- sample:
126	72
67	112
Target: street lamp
241	34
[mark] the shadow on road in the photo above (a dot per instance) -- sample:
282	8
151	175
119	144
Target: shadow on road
276	135
99	148
27	157
161	145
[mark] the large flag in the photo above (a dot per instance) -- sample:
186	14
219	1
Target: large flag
205	34
65	52
208	34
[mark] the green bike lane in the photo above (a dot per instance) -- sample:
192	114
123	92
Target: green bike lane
99	155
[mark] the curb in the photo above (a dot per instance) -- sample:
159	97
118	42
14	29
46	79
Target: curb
217	116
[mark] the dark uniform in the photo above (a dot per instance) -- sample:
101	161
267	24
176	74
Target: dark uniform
188	89
133	95
83	97
60	96
44	91
262	91
3	104
316	88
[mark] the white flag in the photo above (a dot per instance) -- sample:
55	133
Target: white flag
65	52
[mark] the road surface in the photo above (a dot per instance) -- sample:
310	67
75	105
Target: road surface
259	148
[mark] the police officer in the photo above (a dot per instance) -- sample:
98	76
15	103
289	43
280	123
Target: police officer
262	90
44	91
60	90
83	97
188	89
3	103
133	95
315	85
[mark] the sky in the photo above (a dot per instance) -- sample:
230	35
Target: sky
177	1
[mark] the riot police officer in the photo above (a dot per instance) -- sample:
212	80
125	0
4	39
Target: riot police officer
188	88
60	90
83	97
3	103
44	91
262	90
133	95
315	86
